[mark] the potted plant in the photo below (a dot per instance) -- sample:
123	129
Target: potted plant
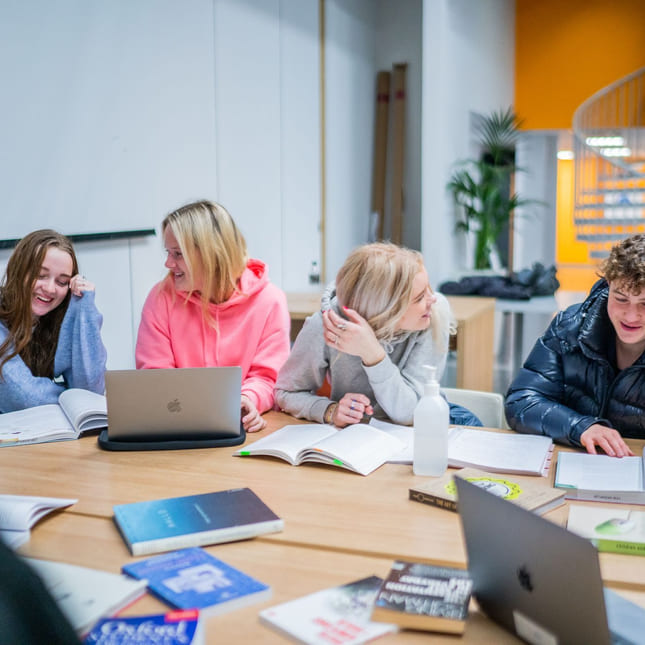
481	188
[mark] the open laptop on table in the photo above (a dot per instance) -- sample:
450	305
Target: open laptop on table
196	407
537	579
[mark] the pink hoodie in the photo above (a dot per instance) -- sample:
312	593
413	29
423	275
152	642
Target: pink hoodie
253	332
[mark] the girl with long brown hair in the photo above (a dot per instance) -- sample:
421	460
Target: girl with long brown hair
50	328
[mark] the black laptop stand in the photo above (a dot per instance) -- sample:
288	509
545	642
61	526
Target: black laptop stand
169	444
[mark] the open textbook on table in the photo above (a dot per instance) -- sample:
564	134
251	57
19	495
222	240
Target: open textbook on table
76	412
364	447
359	447
496	452
601	478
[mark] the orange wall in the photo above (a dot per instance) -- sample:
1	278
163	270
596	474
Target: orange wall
566	50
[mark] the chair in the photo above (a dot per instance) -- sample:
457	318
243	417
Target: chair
488	406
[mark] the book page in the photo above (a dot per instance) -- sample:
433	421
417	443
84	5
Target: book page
86	410
599	472
405	434
14	539
85	595
289	441
21	512
42	423
358	447
497	451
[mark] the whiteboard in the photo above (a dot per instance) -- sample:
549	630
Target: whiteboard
108	112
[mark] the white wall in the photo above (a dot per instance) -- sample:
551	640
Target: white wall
535	224
468	67
351	31
267	129
107	112
362	38
254	68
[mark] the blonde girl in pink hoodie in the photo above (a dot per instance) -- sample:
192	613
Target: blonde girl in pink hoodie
216	307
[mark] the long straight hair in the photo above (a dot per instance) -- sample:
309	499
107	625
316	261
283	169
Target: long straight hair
377	279
34	343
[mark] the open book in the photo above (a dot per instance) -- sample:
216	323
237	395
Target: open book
601	478
77	411
85	595
497	452
18	513
360	447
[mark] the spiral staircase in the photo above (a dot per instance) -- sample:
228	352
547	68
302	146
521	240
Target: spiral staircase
609	152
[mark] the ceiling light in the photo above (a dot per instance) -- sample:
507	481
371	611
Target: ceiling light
605	141
565	155
615	152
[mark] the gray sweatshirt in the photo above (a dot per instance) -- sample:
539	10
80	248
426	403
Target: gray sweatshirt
394	386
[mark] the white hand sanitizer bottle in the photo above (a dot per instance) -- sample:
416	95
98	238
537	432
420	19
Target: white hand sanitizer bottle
431	425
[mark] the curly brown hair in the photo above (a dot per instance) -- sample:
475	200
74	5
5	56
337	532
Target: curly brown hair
35	343
625	265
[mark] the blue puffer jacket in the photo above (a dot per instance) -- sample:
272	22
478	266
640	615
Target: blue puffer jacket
569	382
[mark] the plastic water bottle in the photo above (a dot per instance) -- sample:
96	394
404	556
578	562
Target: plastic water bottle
431	424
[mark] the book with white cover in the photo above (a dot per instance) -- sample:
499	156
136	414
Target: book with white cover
601	478
335	615
497	452
85	595
360	447
76	412
18	513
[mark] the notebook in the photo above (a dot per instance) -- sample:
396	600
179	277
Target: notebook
196	407
537	579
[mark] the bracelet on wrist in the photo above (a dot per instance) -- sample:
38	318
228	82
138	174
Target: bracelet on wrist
329	412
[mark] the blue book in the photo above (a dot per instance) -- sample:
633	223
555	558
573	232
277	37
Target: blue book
179	627
193	578
195	520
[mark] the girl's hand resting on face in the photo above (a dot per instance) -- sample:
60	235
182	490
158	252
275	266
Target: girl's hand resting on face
350	409
251	419
352	336
78	284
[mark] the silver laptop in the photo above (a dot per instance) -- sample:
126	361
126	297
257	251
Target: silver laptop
173	405
537	579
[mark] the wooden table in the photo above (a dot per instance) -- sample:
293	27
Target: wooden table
474	341
290	571
339	526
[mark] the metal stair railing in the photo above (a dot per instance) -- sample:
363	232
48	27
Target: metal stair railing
609	167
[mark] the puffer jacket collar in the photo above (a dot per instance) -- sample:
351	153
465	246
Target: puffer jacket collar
595	330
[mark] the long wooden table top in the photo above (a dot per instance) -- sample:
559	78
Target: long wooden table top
323	506
291	572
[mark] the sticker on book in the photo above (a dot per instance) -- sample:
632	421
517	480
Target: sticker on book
499	487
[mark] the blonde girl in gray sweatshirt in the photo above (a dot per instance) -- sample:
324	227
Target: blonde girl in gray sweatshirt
379	324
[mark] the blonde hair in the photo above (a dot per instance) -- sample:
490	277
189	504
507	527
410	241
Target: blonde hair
376	280
213	248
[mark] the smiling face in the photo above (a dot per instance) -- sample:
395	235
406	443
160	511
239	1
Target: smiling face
175	261
52	283
418	315
627	314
